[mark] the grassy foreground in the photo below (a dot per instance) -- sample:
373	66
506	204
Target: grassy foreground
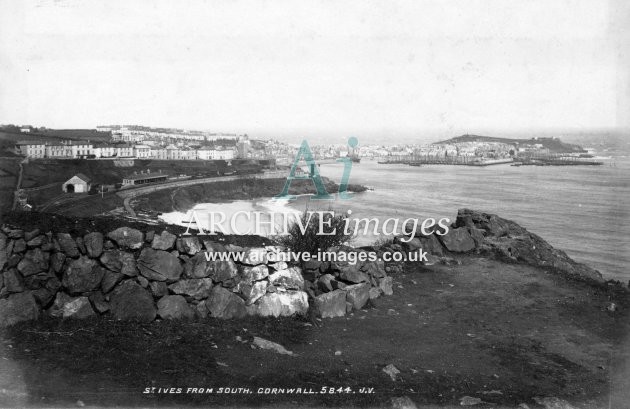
505	333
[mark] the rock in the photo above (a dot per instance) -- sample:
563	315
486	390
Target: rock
358	295
18	307
278	265
477	235
222	271
331	305
197	288
392	371
93	244
252	292
158	289
4	258
374	269
469	401
202	309
82	275
553	403
190	245
43	296
35	261
281	304
256	273
324	282
375	293
312	265
19	246
164	241
144	283
14	233
37	241
148	236
266	344
172	307
352	274
36	281
158	265
458	240
129	301
385	285
254	256
31	234
98	302
214	247
56	261
127	238
120	262
291	279
13	281
223	303
13	261
110	279
79	308
403	402
67	245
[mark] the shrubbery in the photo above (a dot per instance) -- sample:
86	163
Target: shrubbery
306	237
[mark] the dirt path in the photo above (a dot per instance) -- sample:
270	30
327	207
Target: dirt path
504	333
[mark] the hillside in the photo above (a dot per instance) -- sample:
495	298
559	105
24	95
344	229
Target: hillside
554	145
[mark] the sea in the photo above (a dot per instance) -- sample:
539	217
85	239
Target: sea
583	210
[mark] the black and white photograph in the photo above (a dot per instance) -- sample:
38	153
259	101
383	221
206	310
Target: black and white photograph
402	204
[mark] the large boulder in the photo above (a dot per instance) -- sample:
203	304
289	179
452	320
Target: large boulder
129	301
127	238
509	241
164	241
158	265
281	304
120	262
197	288
331	304
223	303
358	295
17	308
458	240
93	243
82	275
67	245
174	307
291	279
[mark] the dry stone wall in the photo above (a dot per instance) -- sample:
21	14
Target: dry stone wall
132	275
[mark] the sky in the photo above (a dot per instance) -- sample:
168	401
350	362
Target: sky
377	69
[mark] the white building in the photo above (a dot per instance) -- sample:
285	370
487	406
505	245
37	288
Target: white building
78	183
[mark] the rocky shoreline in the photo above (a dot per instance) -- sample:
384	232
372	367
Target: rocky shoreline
185	198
